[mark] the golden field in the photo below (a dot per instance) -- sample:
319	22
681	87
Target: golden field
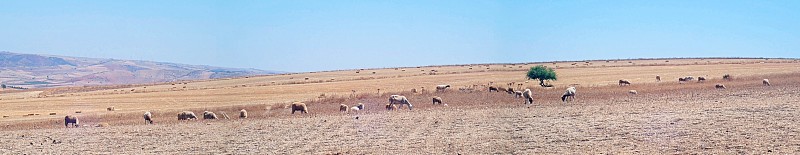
665	117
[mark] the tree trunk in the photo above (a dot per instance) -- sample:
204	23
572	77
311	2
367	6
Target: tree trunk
541	82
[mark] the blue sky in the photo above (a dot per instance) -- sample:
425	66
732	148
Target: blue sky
301	35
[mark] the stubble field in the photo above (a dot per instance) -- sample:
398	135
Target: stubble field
665	117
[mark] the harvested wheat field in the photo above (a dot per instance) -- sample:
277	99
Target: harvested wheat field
664	117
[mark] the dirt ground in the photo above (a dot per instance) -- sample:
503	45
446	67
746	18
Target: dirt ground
664	118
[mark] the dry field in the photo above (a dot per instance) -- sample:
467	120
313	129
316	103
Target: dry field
665	117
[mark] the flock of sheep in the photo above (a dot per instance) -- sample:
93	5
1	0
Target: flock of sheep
398	101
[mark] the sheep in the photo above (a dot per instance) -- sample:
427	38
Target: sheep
359	106
684	79
400	100
502	89
727	77
766	82
209	115
186	115
343	108
517	94
719	86
624	82
437	99
492	88
391	107
299	106
701	79
148	117
242	114
414	90
71	119
110	108
442	87
528	94
570	93
510	90
634	92
658	78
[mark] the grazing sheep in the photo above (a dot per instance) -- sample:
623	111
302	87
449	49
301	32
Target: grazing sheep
517	94
242	114
209	115
528	94
71	119
570	93
492	88
359	106
110	108
391	107
701	79
355	109
510	90
658	78
727	77
719	86
343	108
634	92
442	87
397	99
766	82
437	99
624	82
148	117
186	115
299	106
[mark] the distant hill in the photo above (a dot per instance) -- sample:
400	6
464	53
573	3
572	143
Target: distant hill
40	71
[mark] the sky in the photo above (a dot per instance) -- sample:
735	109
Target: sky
317	35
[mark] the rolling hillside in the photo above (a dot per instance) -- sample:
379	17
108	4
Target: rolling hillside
41	71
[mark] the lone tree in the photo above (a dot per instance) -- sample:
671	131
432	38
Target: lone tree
542	73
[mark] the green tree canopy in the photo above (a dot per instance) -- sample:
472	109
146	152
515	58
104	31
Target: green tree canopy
542	73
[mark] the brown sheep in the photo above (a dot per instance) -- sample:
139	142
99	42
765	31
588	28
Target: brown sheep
766	82
391	107
658	78
701	79
209	115
71	119
242	114
727	77
437	99
110	108
517	94
186	115
343	108
299	106
510	90
624	82
148	117
719	86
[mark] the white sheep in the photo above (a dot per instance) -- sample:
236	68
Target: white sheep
634	92
766	82
517	94
397	99
624	82
209	115
437	99
148	117
186	115
569	93
528	94
442	87
242	114
299	106
719	86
